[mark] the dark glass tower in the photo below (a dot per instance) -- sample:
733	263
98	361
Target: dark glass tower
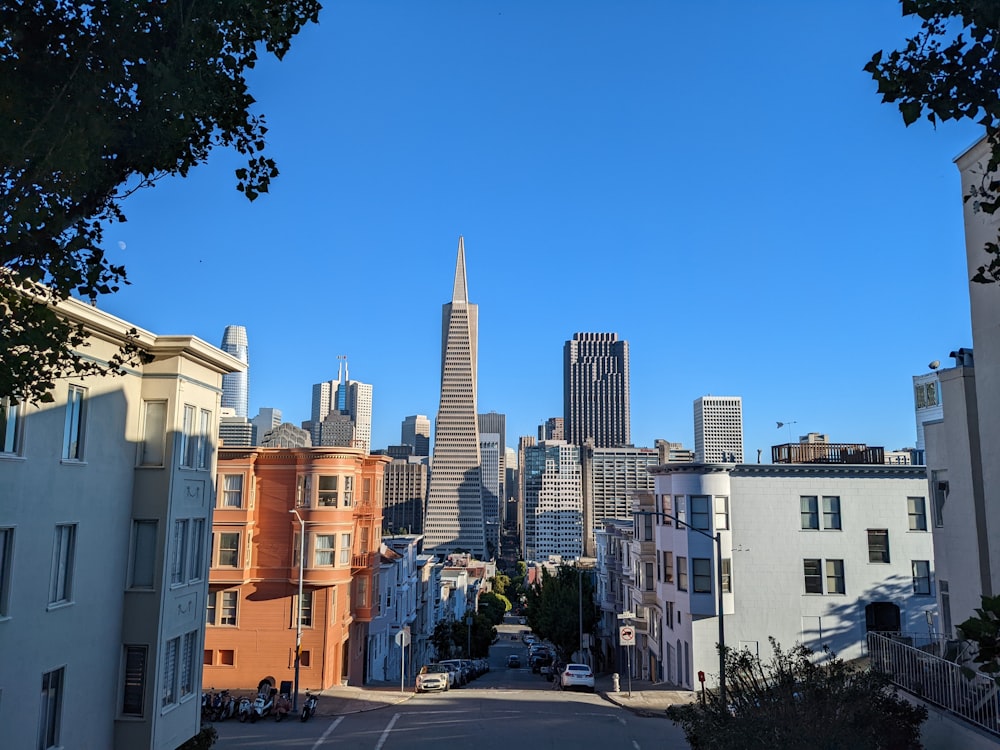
596	390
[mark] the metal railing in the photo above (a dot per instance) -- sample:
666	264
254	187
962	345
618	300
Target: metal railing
920	671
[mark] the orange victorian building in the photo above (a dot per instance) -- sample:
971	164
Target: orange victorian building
253	602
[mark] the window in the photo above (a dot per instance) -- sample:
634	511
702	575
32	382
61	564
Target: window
940	497
831	512
210	607
701	573
188	665
323	552
232	491
345	549
668	509
170	652
6	565
63	551
189	438
229	550
648	579
10	426
154	432
307	609
196	557
878	545
668	614
681	508
921	577
916	507
647	528
813	576
50	715
361	593
303	489
178	552
329	494
727	575
348	491
229	603
721	513
682	573
143	555
72	449
835	577
134	680
699	512
668	567
809	510
204	449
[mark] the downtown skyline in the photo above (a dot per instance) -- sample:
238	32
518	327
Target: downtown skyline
809	260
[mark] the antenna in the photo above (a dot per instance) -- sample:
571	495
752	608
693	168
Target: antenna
789	426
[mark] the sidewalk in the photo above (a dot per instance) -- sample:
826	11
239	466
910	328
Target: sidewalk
348	699
646	698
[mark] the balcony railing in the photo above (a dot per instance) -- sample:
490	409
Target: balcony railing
826	453
935	680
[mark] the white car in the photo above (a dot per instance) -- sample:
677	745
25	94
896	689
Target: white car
433	677
577	676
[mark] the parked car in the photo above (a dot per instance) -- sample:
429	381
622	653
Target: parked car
539	660
577	676
513	661
433	677
461	676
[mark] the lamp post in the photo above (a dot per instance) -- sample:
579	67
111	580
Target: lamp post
717	538
468	630
579	571
298	613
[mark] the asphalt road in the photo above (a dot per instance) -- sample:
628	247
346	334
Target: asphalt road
505	709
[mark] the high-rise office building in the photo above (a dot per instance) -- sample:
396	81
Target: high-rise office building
342	411
596	390
718	429
494	424
236	385
266	420
611	478
417	432
552	429
553	501
405	494
454	499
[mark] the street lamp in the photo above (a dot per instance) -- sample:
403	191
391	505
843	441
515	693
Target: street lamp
468	630
298	614
717	538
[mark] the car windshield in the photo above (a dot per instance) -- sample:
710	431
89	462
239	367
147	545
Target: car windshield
578	668
433	669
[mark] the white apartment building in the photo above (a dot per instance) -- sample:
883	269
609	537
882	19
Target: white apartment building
105	512
812	553
718	429
397	598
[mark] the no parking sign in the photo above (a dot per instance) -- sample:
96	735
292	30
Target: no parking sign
626	635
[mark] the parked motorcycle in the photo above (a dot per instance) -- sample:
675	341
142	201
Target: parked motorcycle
309	706
246	708
218	705
206	703
282	707
263	704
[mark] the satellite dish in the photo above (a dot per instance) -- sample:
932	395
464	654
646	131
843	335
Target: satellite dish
935	364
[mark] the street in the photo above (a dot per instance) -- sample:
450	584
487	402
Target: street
505	709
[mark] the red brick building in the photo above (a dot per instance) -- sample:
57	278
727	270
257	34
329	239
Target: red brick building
254	578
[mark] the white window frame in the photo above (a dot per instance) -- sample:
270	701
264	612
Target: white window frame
809	512
203	456
916	511
701	512
230	600
701	575
721	503
921	574
196	551
835	580
171	668
152	449
235	553
11	427
832	520
178	552
142	561
229	492
6	568
63	561
187	451
75	424
324	555
682	574
345	549
188	679
134	680
815	576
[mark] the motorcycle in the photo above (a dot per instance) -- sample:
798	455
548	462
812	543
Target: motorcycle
206	703
309	706
218	705
282	707
246	708
262	705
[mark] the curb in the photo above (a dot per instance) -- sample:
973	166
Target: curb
644	712
374	706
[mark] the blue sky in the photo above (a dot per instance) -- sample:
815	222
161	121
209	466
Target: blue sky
717	182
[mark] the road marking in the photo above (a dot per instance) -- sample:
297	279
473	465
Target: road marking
385	734
327	733
635	745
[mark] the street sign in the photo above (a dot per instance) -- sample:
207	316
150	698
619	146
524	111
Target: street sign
626	616
403	638
626	635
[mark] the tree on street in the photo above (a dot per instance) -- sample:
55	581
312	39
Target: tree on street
949	71
99	100
554	606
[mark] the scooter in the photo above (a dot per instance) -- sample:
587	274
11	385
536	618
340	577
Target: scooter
262	705
246	709
218	705
309	706
282	707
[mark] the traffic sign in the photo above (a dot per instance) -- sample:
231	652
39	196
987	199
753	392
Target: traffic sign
403	638
627	616
626	635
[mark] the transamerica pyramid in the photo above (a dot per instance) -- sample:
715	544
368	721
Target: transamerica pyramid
454	519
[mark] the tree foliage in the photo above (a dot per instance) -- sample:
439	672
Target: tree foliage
554	606
451	638
796	701
493	606
948	71
984	630
98	100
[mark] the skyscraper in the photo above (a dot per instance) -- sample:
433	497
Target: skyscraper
553	501
596	390
342	411
454	499
417	432
718	429
236	385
